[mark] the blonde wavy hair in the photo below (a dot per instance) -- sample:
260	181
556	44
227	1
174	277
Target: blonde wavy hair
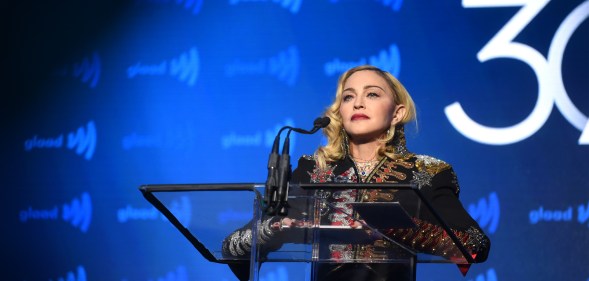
336	148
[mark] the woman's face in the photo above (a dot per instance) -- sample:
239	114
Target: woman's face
367	107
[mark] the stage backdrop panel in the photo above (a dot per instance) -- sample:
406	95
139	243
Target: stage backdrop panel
100	97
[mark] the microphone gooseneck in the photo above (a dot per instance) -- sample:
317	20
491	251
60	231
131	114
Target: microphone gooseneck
279	175
272	181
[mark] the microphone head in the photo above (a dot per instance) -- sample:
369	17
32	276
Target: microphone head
322	122
317	122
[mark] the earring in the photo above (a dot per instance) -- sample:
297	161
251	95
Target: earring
344	143
399	142
390	136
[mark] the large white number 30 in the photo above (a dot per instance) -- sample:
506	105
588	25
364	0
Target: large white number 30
548	72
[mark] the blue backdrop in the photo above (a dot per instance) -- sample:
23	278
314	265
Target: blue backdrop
103	96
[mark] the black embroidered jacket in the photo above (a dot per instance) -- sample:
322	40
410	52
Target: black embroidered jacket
435	179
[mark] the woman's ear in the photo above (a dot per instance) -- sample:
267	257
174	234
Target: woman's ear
399	114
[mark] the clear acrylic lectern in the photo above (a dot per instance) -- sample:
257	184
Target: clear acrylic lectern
207	214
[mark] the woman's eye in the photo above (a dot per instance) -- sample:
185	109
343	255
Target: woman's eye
373	95
347	97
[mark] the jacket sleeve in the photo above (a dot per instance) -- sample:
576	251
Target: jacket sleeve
239	243
430	237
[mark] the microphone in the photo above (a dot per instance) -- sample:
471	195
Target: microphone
271	180
284	167
319	123
270	198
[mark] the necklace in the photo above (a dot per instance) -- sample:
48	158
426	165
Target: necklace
365	167
369	160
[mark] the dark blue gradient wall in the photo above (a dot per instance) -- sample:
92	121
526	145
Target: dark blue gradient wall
98	98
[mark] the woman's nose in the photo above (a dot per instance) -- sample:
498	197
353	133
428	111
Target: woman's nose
359	103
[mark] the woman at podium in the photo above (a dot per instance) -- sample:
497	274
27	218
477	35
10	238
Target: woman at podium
366	144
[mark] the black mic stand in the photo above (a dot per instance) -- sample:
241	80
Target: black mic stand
279	199
270	198
272	179
284	174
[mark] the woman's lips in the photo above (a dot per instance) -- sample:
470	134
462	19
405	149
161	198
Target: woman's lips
359	117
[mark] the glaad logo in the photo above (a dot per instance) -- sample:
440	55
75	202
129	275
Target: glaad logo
181	209
83	140
490	276
88	70
78	213
185	68
560	215
486	212
548	71
292	5
285	66
190	5
182	137
388	60
70	276
258	139
231	215
179	275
